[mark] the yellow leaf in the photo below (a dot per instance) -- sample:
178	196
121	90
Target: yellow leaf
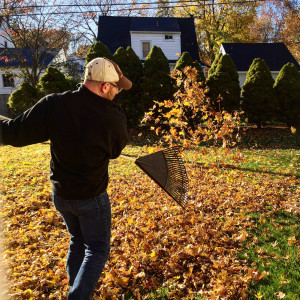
28	292
293	129
292	240
173	131
153	253
130	221
150	150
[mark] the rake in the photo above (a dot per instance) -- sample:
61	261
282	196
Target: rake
167	169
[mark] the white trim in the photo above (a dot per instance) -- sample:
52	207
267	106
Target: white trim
163	32
168	40
145	41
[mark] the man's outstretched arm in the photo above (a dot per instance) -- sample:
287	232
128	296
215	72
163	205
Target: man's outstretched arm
28	128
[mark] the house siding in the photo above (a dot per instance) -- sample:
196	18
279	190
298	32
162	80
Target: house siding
243	75
169	47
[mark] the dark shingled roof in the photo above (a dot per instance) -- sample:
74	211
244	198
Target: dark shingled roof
276	55
8	57
114	31
154	24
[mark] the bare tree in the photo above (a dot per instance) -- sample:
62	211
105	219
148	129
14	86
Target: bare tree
86	16
36	31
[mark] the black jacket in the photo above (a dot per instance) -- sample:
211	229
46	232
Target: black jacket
85	131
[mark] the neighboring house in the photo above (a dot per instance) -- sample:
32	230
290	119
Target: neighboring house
276	55
75	66
173	35
10	67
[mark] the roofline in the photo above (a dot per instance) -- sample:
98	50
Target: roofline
246	43
135	31
132	17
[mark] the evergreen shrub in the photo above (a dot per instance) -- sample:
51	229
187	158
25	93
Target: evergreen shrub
157	83
130	100
259	100
22	99
287	89
223	81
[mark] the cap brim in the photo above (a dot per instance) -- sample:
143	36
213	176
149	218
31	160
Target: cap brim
123	82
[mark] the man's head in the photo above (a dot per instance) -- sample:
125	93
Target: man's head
104	78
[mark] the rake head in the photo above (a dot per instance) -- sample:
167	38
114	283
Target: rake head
167	169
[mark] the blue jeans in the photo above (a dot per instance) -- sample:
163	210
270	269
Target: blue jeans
89	224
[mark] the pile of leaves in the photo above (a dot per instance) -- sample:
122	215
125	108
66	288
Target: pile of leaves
156	245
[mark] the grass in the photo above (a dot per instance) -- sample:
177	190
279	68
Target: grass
273	248
266	168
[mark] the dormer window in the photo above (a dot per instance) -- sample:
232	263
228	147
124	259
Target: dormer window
8	80
168	37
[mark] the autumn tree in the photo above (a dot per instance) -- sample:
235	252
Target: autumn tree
278	21
224	82
258	97
86	15
164	9
35	34
218	21
22	99
132	68
287	89
156	83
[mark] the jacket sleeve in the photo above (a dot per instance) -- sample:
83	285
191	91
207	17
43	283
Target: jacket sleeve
119	144
120	137
28	128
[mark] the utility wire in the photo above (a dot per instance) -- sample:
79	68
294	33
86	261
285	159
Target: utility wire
127	9
189	2
141	3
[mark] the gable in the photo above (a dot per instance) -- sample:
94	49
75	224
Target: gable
188	38
114	31
7	57
154	24
276	55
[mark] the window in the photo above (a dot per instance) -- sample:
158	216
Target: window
146	48
8	80
168	37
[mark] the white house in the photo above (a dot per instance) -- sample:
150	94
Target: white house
173	35
276	55
10	67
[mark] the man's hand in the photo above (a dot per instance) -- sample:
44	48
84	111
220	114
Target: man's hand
4	118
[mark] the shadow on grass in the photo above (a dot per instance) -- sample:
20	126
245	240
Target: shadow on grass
268	137
227	166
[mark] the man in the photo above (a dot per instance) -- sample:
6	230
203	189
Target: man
86	129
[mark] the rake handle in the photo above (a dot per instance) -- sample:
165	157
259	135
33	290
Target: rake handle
4	118
128	157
